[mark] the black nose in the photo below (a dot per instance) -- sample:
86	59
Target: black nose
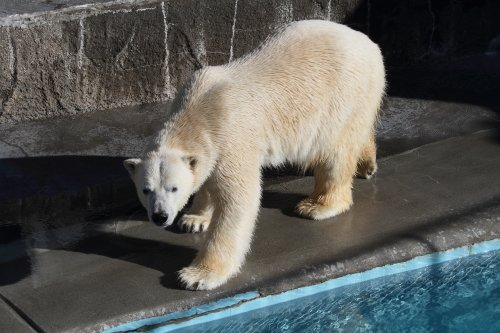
159	218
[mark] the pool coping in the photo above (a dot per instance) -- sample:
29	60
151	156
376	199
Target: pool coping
249	301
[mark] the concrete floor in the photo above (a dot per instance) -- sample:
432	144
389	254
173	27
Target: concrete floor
92	274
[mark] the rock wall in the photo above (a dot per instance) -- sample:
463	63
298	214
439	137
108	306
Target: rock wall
105	55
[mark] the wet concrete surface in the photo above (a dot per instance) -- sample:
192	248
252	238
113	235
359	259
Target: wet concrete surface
94	274
10	321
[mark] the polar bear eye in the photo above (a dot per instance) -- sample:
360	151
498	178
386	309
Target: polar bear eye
174	189
146	191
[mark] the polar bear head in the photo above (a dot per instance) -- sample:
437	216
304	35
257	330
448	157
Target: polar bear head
163	182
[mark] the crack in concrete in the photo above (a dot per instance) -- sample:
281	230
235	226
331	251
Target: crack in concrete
190	49
81	45
27	319
120	57
169	90
233	29
145	9
15	146
12	55
200	46
55	94
13	71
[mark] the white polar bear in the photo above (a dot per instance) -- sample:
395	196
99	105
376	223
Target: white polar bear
309	95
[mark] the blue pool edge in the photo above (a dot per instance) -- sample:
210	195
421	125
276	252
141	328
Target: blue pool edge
250	301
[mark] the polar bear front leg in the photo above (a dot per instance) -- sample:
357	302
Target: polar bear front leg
200	214
332	193
236	202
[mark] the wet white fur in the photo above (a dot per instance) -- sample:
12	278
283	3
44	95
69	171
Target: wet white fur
309	96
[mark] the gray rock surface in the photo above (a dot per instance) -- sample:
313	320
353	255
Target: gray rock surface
76	59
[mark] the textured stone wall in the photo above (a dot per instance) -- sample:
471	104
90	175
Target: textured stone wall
107	55
104	56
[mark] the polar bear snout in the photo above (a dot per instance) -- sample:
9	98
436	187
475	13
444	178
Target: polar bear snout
160	218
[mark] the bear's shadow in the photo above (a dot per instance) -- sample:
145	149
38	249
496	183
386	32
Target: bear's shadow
285	202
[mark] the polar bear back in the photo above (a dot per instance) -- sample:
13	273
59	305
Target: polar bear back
307	89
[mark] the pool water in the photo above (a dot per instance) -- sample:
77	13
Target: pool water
461	295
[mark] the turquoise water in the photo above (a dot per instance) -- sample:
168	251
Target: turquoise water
457	296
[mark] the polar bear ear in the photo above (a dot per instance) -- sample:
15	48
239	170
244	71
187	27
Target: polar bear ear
131	164
191	160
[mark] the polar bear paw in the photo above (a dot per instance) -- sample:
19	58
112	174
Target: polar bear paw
194	223
366	169
311	209
201	278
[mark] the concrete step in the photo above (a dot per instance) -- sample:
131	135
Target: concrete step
99	274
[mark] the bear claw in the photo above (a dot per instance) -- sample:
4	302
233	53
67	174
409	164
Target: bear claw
197	278
310	209
366	169
193	223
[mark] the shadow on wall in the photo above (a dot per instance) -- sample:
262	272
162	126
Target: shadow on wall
437	50
414	31
471	80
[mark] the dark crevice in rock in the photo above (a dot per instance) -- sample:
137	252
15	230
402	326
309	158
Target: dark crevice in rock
190	52
120	57
55	94
21	314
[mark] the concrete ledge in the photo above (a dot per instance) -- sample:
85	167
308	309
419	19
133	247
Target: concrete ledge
116	275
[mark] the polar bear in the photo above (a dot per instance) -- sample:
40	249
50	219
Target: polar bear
309	95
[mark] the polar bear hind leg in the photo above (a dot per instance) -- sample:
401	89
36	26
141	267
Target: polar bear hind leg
332	193
367	163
